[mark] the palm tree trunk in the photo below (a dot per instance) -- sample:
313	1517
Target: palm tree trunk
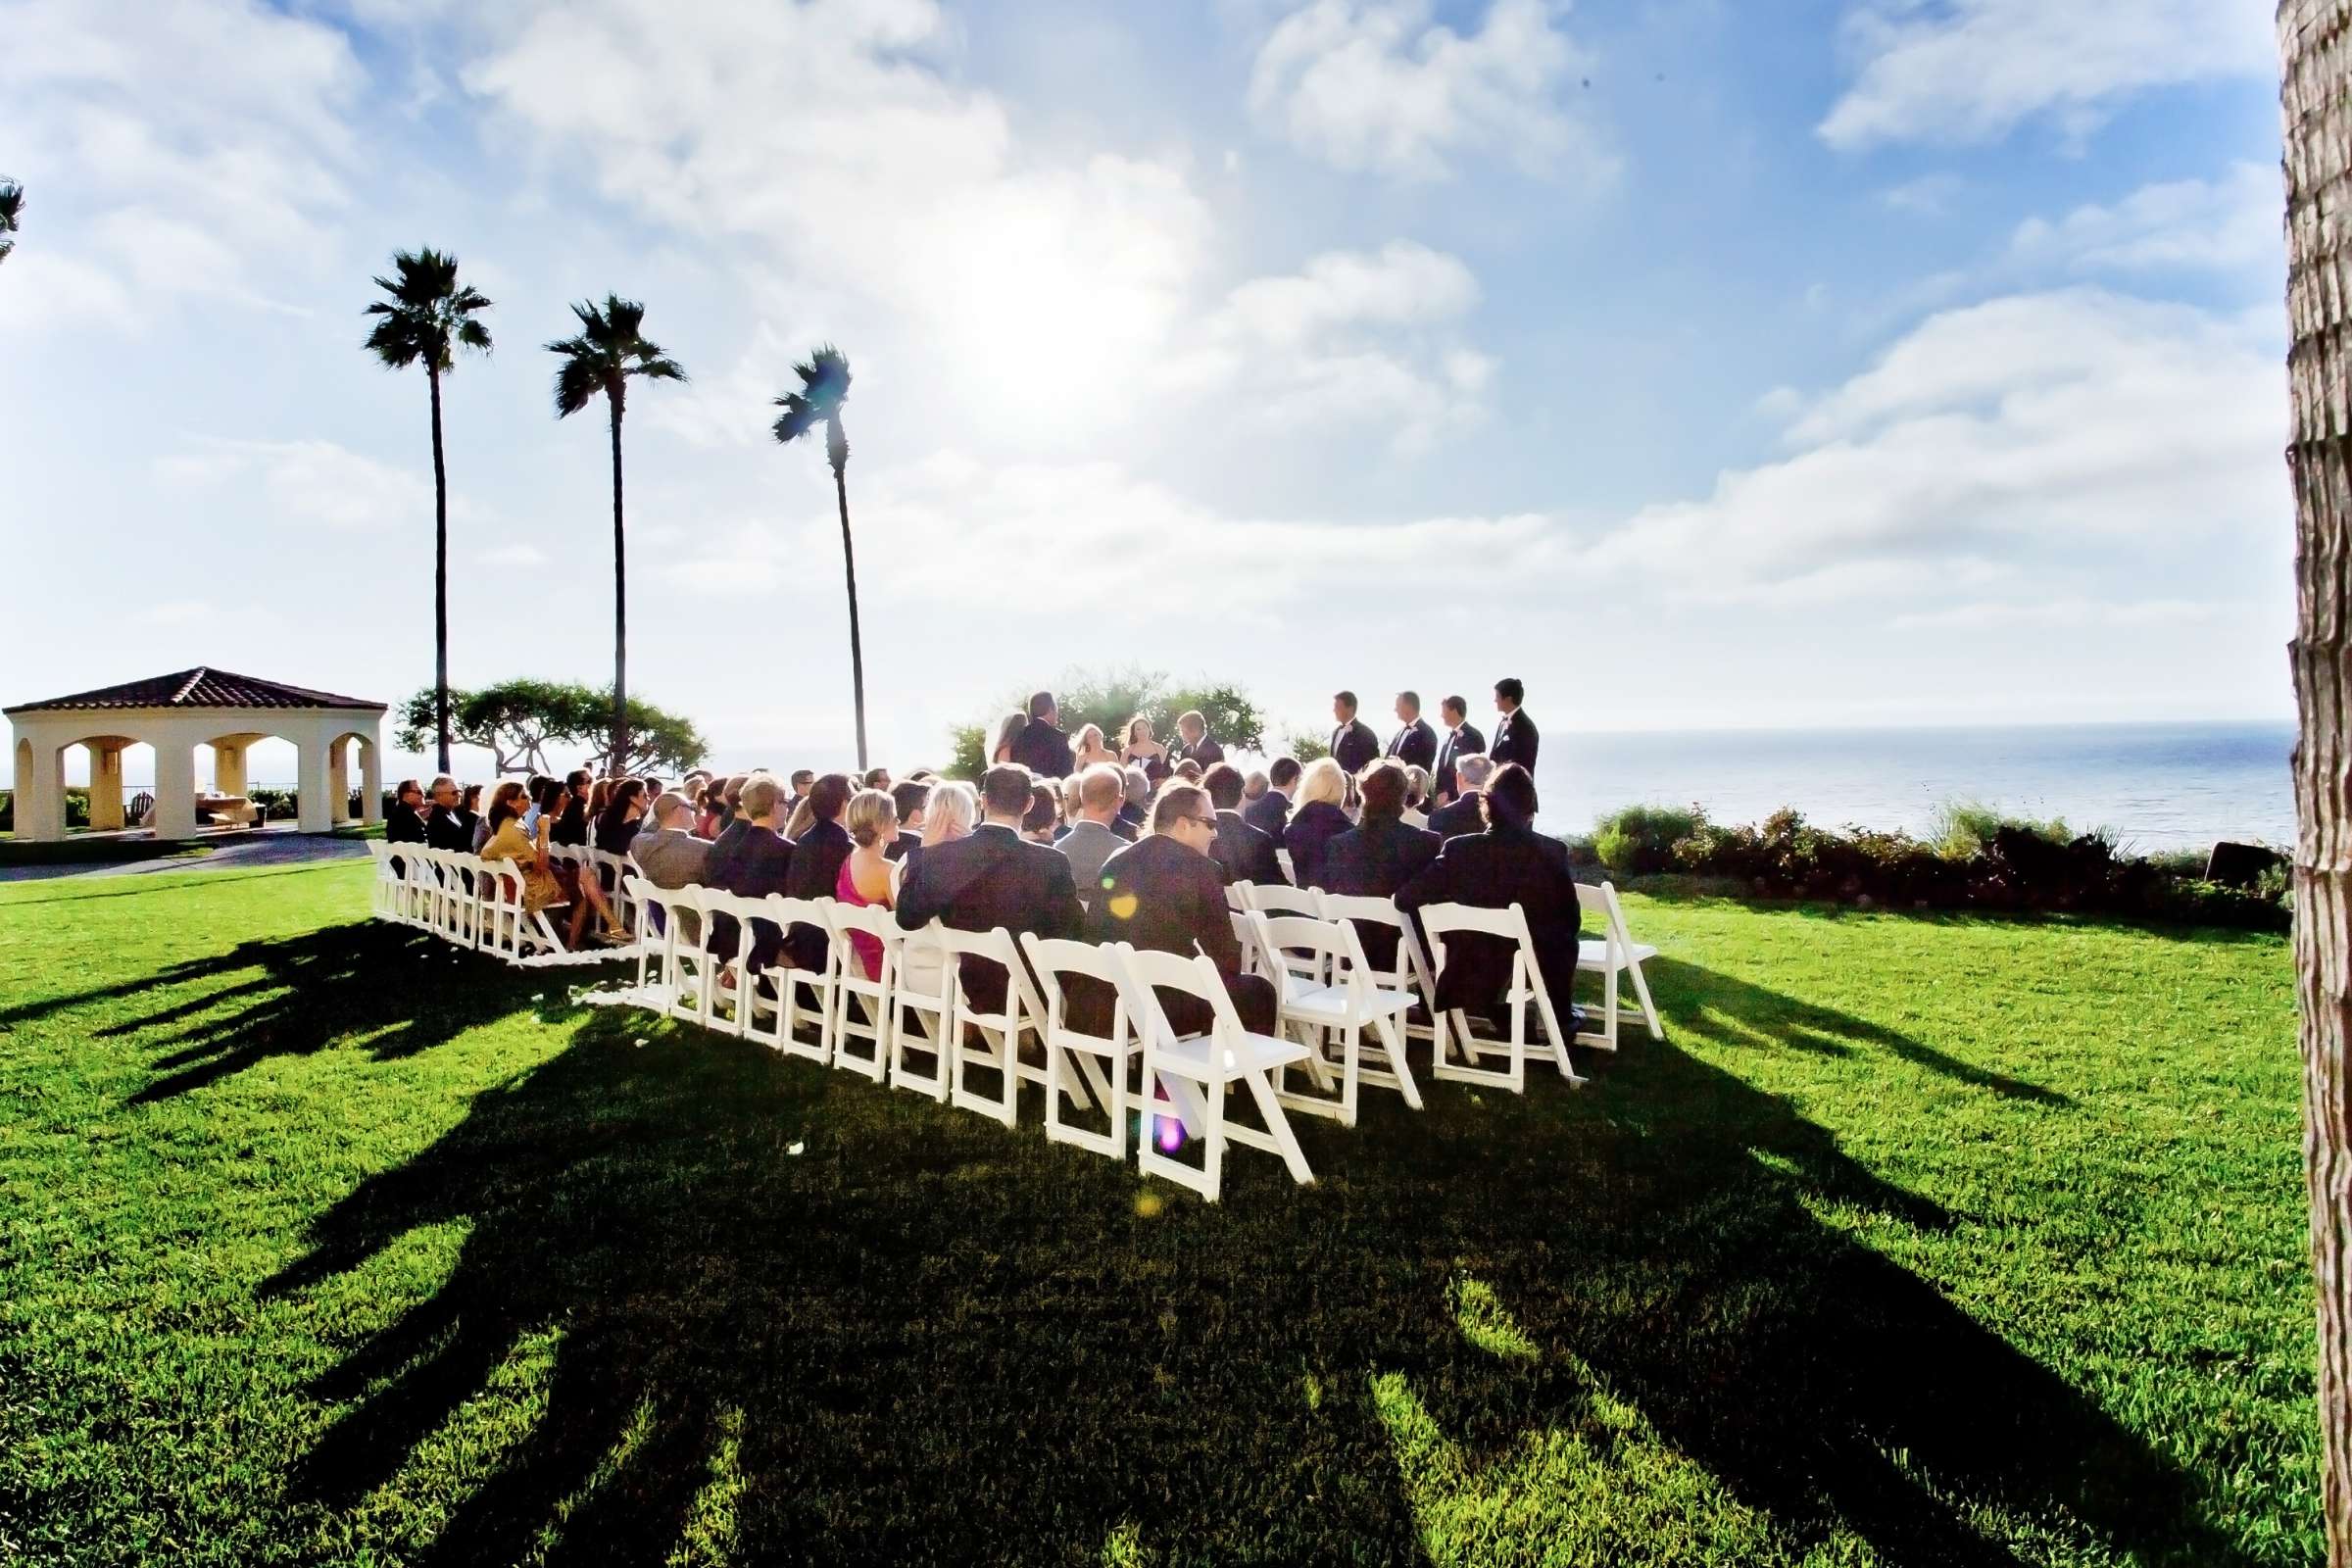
432	375
2314	37
849	561
620	610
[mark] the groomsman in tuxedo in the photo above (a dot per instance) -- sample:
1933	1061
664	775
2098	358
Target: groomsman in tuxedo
1042	748
1462	739
1514	732
1414	743
1197	745
1352	744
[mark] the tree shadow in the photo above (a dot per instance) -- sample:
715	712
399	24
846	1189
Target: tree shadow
940	1341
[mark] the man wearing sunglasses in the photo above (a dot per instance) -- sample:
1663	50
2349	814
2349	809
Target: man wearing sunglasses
1164	892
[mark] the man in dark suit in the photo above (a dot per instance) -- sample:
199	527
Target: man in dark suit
1514	733
1243	853
1379	855
1135	803
1464	816
817	856
1270	812
750	860
1165	894
444	828
1352	744
1197	745
1414	743
1462	739
911	798
402	823
1042	748
1509	863
994	877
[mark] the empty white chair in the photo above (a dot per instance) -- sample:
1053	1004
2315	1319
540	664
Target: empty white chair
1328	999
385	892
1445	922
1609	954
1272	898
1000	1031
919	1012
862	1010
1080	1065
1195	1071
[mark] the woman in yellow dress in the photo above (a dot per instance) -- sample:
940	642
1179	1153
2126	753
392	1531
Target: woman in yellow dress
506	842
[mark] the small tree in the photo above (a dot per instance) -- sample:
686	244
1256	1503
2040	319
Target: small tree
520	722
1110	698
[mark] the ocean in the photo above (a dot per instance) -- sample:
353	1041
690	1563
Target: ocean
2158	786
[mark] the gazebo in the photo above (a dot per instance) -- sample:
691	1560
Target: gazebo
176	714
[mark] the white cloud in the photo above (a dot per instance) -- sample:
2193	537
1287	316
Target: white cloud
2230	225
2073	612
1972	71
1927	196
515	555
302	483
1375	84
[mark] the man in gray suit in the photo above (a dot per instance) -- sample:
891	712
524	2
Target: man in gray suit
668	853
1091	840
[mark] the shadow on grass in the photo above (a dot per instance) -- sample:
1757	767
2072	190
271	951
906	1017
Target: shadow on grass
925	1339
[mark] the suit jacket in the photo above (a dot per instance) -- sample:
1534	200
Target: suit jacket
1209	754
993	877
1269	813
1352	745
402	825
1515	741
1493	870
1131	817
1372	860
1244	853
818	858
1163	897
671	857
1460	743
1415	745
750	861
1088	844
1043	751
1461	817
1309	834
444	829
898	847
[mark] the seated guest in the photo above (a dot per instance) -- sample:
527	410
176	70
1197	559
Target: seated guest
1087	750
624	808
668	855
1091	841
711	809
1042	748
993	878
1470	773
818	854
526	852
1140	750
1198	746
1322	816
1416	796
1188	770
1243	853
872	819
879	778
1165	894
1006	749
1256	785
804	779
1352	743
949	812
1134	813
1270	812
1045	814
1509	863
572	819
750	861
909	800
599	793
442	828
405	822
803	816
1379	855
470	811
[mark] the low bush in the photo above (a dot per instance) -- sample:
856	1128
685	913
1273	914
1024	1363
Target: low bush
1641	840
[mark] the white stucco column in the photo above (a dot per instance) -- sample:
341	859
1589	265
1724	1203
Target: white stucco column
338	781
40	785
311	787
106	784
371	782
228	767
175	789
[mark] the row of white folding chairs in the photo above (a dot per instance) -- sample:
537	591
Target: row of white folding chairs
468	902
611	872
913	1023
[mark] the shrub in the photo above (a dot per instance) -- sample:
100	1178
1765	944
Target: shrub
1966	827
1641	840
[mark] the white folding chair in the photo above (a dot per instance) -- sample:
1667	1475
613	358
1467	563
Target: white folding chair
1275	898
919	1013
521	937
613	875
791	1008
862	1010
1237	896
1290	869
657	943
1328	999
1408	970
1444	922
1097	1066
999	1031
383	894
1195	1071
1611	953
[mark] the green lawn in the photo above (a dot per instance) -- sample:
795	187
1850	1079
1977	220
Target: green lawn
1918	1240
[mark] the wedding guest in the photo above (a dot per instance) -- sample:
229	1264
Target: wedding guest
526	852
872	819
993	878
1462	739
1471	772
1041	747
1088	750
1091	839
1165	894
1198	746
405	822
818	854
624	808
1243	853
442	829
910	799
1322	816
1045	814
879	778
1414	743
949	813
1416	797
804	779
572	819
1270	812
750	861
801	819
1256	785
1140	750
1352	743
1008	739
1516	735
1188	770
1380	853
668	854
1132	813
711	809
1507	863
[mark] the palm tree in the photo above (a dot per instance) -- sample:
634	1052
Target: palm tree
824	388
2315	94
609	349
12	212
427	315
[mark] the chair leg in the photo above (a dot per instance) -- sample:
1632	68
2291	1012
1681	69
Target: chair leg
1278	1126
1392	1043
1650	1010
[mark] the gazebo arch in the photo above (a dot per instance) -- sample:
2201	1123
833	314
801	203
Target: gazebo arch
178	712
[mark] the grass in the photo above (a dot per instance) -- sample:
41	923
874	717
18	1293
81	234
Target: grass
1919	1240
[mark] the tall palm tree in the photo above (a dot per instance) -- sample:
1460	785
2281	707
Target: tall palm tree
824	388
2315	94
607	350
426	315
12	212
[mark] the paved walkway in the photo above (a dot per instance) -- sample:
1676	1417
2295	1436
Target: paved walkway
276	848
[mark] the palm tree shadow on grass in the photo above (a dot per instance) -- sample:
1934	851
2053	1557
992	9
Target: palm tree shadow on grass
944	1341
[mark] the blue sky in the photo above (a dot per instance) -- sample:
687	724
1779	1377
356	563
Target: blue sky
1831	362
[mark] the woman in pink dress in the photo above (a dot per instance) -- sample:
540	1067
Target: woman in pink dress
872	819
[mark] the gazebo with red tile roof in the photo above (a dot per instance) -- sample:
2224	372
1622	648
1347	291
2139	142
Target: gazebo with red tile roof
176	714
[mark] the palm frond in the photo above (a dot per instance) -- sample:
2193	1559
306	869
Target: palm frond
579	379
825	379
797	419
